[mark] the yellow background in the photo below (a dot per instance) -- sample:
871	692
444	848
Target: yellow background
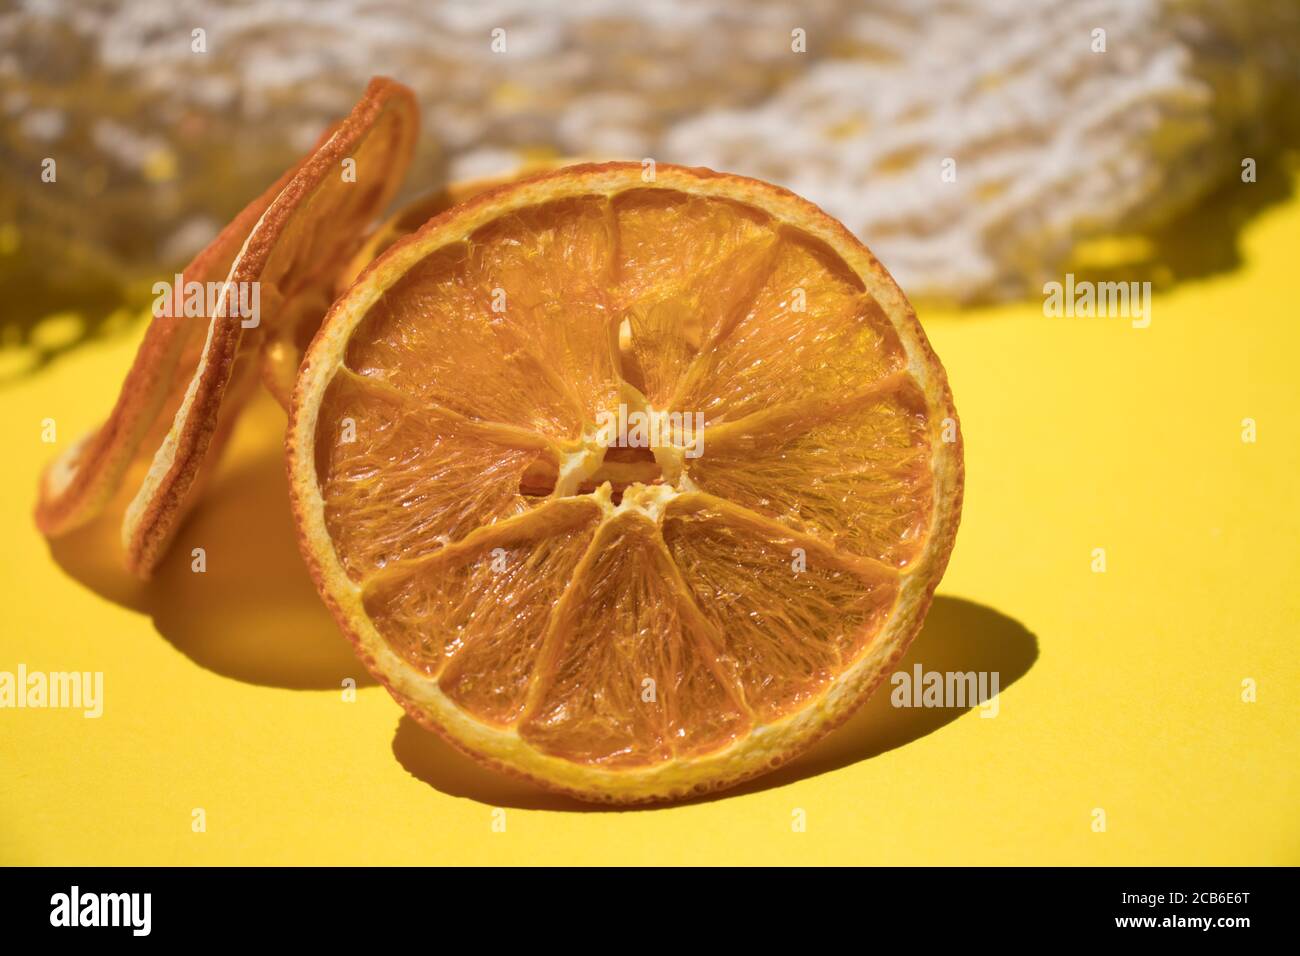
1121	691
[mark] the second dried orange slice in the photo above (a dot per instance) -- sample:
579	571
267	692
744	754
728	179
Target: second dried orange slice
288	264
635	488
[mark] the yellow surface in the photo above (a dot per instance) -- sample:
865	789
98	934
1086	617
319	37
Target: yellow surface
1121	691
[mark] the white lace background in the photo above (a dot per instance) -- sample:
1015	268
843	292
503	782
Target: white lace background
1053	143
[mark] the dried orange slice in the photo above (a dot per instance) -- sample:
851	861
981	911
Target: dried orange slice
292	257
503	497
78	484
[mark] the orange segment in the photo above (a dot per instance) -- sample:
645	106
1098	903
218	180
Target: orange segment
811	332
792	613
538	352
550	266
601	608
435	335
291	258
855	473
626	678
686	266
474	614
400	480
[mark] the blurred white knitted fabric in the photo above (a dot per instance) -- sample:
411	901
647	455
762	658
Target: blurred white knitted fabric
1050	133
1052	142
